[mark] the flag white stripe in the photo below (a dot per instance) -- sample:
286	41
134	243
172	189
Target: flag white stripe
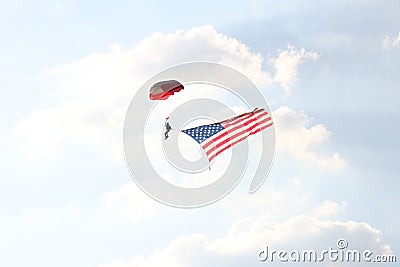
228	126
242	116
239	140
229	141
229	132
239	132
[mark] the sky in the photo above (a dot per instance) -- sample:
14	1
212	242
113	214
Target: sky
69	70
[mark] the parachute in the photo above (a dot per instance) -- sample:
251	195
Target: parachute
164	89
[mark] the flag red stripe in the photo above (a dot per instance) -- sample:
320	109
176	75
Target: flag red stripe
230	138
247	115
231	131
233	127
246	132
239	140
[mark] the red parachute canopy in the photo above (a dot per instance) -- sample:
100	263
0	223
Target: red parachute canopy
164	89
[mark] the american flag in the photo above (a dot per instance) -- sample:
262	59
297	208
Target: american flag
217	137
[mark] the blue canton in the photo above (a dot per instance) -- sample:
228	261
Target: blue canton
201	133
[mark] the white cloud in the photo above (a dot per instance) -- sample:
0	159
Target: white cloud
95	90
391	42
296	137
248	236
42	218
283	202
329	208
302	232
286	65
280	219
181	252
129	203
